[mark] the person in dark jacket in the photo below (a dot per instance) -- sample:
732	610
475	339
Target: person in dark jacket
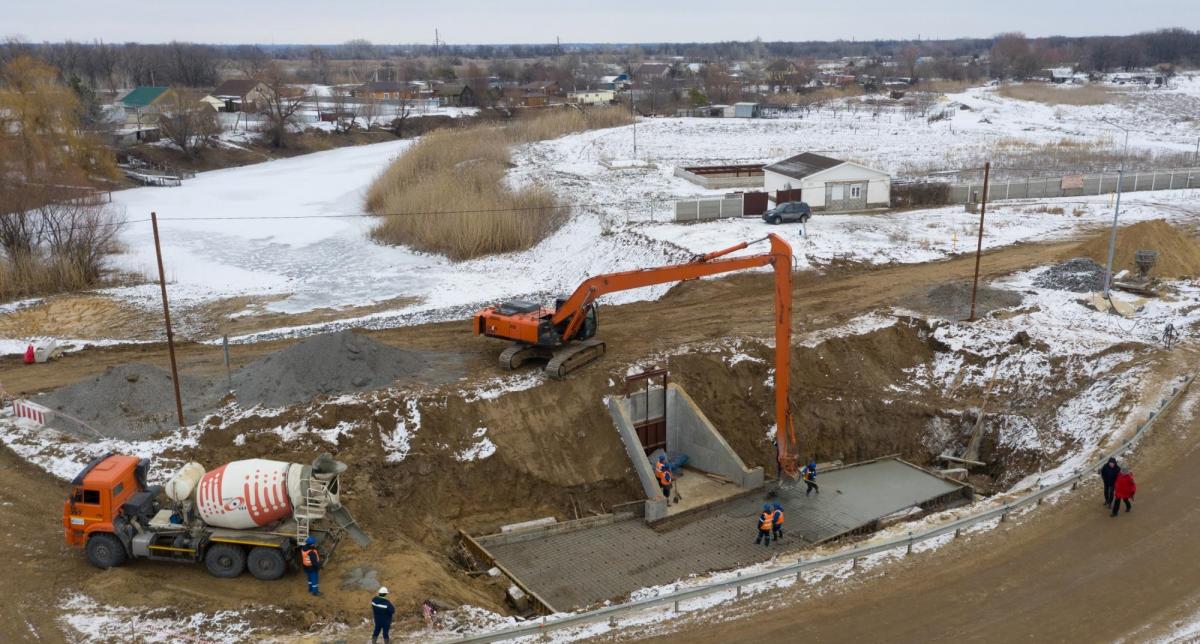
1123	490
383	612
1108	474
310	560
809	474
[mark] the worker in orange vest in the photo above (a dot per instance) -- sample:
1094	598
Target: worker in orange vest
665	480
660	465
310	559
777	522
766	521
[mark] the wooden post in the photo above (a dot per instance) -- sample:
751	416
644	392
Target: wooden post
162	283
987	167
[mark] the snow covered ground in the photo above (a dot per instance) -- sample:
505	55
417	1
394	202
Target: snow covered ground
307	247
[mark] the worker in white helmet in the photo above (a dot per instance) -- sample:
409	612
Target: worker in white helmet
384	610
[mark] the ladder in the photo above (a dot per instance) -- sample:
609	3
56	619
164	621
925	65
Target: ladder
312	506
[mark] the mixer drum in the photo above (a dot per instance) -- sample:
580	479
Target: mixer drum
245	494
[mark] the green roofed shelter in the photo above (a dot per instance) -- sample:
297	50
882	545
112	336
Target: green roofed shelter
143	97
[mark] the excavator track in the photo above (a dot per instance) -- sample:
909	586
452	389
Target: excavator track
515	355
573	356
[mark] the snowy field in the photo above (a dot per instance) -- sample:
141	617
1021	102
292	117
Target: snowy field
293	231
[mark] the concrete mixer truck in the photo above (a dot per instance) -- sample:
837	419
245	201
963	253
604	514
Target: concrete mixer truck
249	514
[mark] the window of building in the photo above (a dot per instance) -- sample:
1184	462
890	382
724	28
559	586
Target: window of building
855	191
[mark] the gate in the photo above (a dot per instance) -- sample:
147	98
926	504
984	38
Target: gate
754	203
784	196
650	417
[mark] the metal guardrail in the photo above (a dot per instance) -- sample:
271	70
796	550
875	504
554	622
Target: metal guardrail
542	625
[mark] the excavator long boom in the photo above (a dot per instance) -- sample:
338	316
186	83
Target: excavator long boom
779	258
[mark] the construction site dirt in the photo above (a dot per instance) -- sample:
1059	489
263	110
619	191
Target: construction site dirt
556	452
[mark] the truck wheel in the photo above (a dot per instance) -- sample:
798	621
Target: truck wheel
225	560
105	551
265	563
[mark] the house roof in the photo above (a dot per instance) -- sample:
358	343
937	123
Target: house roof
653	69
142	96
235	87
803	165
540	85
385	86
451	89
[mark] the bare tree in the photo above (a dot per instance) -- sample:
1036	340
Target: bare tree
187	122
403	111
281	106
344	109
80	233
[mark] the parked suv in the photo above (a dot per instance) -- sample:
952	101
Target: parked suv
790	211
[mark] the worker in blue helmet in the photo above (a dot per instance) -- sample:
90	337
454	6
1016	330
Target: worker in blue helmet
766	520
310	560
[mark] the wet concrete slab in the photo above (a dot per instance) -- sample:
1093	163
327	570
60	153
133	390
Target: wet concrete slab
573	568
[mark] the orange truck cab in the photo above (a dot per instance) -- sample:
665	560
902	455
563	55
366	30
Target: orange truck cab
102	495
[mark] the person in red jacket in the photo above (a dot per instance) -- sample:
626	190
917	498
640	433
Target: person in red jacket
1124	491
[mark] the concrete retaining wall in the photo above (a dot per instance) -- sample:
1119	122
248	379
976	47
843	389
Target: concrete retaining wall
719	183
619	409
690	432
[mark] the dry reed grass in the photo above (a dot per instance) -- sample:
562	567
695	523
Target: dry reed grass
423	194
1050	94
29	276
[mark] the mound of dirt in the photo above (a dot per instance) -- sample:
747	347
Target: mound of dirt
1078	275
953	301
336	363
131	401
1178	252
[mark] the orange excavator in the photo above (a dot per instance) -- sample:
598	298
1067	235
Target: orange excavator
563	336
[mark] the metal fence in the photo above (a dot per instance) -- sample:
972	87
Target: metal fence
708	209
542	625
1077	185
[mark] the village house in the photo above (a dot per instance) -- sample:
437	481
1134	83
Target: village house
826	183
242	95
142	105
591	97
455	94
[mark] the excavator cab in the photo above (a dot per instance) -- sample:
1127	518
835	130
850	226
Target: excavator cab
591	320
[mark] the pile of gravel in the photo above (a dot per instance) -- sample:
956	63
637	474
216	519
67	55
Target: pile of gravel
953	301
1078	275
131	402
334	363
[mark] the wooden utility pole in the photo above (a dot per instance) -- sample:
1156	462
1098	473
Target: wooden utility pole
987	167
162	283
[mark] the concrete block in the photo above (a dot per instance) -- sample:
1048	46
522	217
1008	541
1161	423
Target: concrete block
525	525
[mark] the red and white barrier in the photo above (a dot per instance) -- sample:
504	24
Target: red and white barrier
32	411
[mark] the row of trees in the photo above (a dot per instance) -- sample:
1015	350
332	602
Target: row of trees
53	232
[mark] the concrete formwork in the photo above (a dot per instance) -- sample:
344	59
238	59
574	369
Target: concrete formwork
688	432
574	566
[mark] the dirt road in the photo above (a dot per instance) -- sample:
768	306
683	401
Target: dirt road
739	305
1067	573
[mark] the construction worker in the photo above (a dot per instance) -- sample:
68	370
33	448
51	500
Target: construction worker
809	474
383	611
777	522
665	480
766	521
660	464
310	559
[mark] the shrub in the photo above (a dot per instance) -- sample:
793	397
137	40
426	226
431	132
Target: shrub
447	193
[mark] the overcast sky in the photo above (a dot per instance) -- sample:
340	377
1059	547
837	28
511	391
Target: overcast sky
541	21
